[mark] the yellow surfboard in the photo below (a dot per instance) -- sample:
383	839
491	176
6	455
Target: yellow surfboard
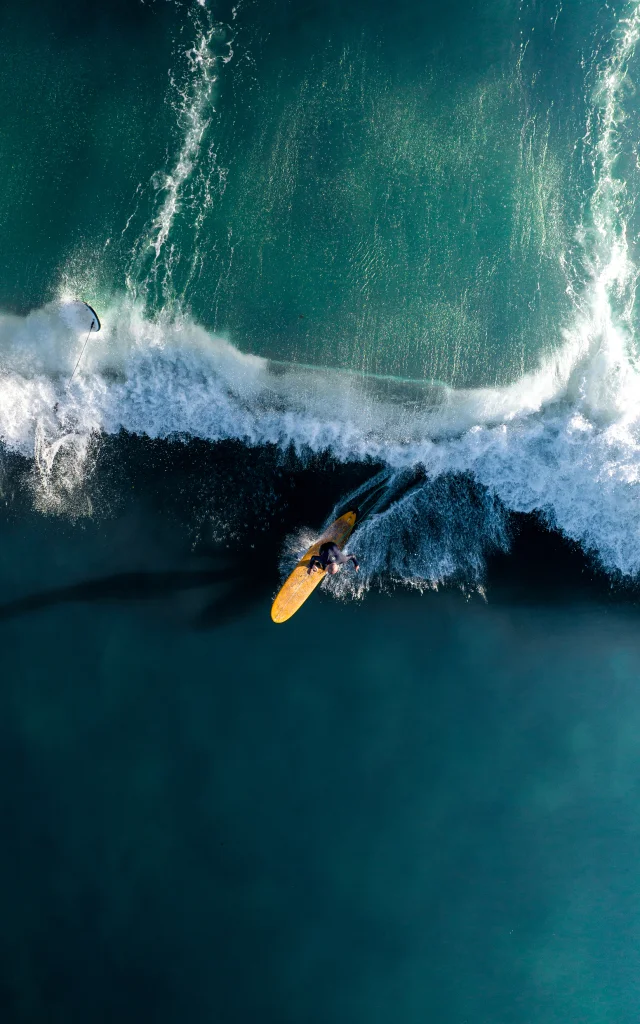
300	584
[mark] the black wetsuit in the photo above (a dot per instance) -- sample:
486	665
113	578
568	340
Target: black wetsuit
330	552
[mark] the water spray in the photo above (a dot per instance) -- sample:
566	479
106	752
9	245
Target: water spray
95	325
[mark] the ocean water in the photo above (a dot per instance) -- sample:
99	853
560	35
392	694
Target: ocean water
367	254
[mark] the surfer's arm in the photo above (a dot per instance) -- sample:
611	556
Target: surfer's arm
343	559
315	561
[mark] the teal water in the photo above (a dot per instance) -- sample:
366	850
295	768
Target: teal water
378	189
368	254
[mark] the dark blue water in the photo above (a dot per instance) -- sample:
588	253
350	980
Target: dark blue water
412	807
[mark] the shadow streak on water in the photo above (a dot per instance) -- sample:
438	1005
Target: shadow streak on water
246	590
234	505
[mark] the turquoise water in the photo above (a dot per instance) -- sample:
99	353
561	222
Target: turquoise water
374	189
363	254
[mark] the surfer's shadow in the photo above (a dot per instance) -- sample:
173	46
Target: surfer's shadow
247	587
230	581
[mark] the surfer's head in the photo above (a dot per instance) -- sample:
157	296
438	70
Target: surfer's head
332	568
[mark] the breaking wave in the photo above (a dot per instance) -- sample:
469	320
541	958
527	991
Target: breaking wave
563	441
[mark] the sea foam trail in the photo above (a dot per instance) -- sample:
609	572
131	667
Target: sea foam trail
193	176
563	441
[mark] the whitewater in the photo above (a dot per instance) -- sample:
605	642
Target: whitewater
562	442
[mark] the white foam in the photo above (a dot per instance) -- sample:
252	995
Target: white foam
192	95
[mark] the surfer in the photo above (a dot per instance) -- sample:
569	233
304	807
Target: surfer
330	558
